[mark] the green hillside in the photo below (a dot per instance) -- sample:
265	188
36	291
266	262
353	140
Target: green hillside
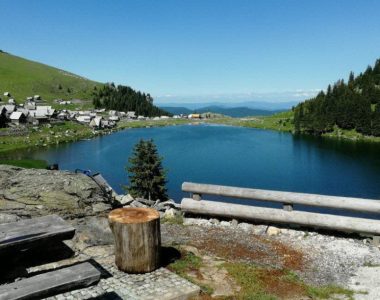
23	78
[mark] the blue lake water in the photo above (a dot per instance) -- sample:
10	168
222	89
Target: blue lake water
233	156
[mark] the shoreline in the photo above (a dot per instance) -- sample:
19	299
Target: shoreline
74	132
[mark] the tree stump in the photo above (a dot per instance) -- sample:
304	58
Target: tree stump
137	238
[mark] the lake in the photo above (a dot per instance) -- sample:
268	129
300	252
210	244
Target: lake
235	156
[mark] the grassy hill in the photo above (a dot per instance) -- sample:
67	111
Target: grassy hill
23	78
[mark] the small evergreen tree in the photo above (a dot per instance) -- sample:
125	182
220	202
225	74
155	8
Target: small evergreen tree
146	175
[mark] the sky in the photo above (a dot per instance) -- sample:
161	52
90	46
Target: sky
199	50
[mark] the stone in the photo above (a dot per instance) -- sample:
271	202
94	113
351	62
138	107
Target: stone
37	192
136	203
171	213
126	199
245	226
7	218
234	223
214	221
225	224
145	201
272	231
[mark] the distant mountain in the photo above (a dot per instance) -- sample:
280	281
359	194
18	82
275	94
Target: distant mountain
177	110
23	78
236	112
260	105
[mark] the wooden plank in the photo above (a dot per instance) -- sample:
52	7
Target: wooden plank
345	203
26	233
246	212
51	283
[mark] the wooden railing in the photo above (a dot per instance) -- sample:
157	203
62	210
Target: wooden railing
286	215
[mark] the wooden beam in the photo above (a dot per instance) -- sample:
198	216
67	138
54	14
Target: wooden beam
51	283
27	233
345	203
246	212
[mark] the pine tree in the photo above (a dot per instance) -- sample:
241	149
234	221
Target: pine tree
146	175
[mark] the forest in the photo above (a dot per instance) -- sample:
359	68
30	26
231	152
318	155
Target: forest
348	105
124	98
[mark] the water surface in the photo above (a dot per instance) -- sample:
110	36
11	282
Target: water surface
233	156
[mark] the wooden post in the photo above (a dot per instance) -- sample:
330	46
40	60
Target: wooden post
287	206
197	197
137	238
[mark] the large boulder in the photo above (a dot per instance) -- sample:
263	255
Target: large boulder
35	192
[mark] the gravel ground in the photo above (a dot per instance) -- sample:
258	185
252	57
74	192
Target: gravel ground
322	258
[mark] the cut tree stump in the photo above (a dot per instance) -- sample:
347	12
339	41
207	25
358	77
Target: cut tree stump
137	238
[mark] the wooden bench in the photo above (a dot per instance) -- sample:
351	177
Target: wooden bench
51	283
28	233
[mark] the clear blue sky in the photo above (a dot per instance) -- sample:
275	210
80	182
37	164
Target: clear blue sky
200	47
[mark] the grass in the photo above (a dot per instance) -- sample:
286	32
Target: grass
258	283
45	136
23	78
281	122
25	163
124	124
352	135
266	284
177	220
188	263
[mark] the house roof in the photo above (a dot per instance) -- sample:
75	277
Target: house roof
16	115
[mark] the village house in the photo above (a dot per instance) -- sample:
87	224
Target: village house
84	119
131	115
194	116
17	117
96	122
7	94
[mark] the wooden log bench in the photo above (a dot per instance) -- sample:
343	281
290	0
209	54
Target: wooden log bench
287	215
51	283
25	234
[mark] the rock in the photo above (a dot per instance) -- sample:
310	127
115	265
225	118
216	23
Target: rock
126	199
272	231
136	203
171	213
246	226
214	221
6	218
37	192
92	231
234	223
194	221
225	224
163	206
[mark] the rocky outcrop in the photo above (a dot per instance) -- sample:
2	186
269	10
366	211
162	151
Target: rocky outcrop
32	192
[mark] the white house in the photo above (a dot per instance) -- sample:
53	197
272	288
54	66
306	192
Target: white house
83	119
17	117
96	122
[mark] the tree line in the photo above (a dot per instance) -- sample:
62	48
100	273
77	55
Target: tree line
349	105
124	98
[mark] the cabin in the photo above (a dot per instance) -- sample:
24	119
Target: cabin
194	116
114	118
96	122
83	119
17	117
131	115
